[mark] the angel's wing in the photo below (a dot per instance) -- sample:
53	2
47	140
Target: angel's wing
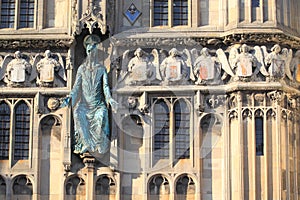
155	62
124	66
288	55
195	54
260	61
189	63
265	53
224	62
233	54
4	64
34	71
125	61
61	71
294	63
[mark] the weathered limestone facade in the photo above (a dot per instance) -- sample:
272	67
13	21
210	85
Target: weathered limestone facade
208	92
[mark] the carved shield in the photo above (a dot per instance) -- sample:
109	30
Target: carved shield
277	68
298	73
47	73
139	72
17	74
173	71
244	67
206	69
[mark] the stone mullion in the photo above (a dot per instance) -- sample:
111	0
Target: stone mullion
252	194
266	156
278	184
226	172
171	136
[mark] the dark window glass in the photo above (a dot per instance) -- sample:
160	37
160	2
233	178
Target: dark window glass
26	14
259	137
22	132
160	12
255	3
161	130
4	131
182	129
7	13
180	10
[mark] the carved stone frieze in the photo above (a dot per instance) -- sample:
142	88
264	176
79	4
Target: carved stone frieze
35	44
253	38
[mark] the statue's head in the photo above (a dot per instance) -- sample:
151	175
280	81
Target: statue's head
90	43
47	53
204	51
173	52
276	48
139	52
244	48
18	54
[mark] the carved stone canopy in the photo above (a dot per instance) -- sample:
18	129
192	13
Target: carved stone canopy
94	18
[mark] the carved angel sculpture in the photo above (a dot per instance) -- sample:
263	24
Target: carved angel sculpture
278	62
16	70
139	70
243	63
173	69
49	70
206	68
295	66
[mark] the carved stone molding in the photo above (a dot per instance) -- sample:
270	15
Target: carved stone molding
214	101
254	38
35	44
275	96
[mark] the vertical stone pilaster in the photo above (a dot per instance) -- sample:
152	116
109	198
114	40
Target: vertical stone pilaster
89	162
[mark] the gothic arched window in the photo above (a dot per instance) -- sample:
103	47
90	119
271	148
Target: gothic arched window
2	188
4	131
182	129
158	188
22	131
172	118
161	129
22	187
185	188
105	187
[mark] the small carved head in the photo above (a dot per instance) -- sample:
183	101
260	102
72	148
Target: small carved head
47	53
276	48
173	52
139	52
18	54
244	48
204	52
